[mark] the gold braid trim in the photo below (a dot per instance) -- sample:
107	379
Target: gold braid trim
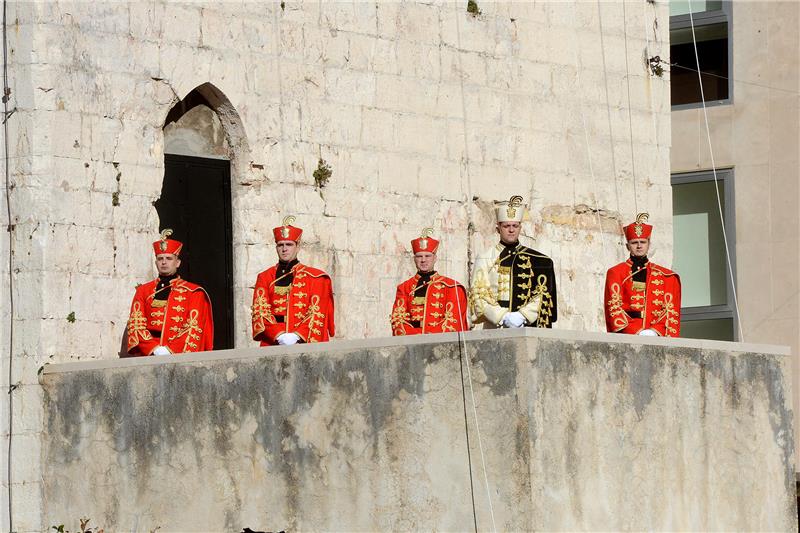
261	312
399	317
669	314
618	314
526	286
315	319
137	326
448	319
192	332
481	291
545	311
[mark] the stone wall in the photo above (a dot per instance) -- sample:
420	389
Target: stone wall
425	113
416	107
566	431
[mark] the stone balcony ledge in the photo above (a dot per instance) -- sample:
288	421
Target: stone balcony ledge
534	430
337	346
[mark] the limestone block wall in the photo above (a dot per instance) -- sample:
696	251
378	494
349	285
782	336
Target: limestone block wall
418	108
424	112
562	431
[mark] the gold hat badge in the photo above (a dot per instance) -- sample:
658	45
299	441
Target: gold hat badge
287	221
426	232
164	235
641	218
513	203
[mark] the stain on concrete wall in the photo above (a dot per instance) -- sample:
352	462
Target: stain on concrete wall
571	434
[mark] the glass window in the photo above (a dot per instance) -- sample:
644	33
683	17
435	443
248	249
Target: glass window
720	329
681	7
699	247
699	253
711	33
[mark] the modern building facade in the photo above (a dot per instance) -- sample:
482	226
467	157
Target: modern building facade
749	64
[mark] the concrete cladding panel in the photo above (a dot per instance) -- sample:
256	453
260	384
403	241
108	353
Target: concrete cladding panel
574	431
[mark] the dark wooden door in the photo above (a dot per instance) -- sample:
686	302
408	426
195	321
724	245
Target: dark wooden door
196	204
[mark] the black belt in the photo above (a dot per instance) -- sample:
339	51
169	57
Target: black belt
280	319
635	314
414	323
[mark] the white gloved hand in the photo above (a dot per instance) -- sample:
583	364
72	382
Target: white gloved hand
161	350
287	339
514	319
648	333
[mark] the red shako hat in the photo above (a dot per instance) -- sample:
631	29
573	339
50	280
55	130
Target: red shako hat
425	243
287	232
167	246
638	230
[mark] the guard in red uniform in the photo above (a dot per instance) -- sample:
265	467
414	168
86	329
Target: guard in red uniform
642	298
169	315
428	302
292	302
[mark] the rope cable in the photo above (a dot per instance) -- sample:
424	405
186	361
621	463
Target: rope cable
6	94
630	111
466	426
462	342
716	181
608	102
578	69
463	355
728	78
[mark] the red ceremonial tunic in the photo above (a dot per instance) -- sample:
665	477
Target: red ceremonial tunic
658	302
305	307
183	324
442	309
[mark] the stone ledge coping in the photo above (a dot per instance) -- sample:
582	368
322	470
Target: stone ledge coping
338	346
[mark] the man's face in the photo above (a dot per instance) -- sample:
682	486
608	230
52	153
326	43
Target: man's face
167	264
287	250
638	247
509	231
424	261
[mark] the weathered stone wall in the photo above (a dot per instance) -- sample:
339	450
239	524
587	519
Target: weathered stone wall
417	107
578	432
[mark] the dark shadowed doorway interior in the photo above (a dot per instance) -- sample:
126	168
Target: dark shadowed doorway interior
195	203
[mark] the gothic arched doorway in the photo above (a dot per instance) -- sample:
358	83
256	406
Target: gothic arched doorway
195	203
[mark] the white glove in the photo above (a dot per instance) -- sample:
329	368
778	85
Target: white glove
648	333
513	320
287	339
161	350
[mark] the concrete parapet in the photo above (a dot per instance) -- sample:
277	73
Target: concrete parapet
574	431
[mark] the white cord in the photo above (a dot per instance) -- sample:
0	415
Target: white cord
588	147
463	346
630	112
716	183
462	342
608	104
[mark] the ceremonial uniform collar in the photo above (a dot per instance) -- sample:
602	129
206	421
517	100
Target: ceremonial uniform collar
286	266
164	285
634	262
503	246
